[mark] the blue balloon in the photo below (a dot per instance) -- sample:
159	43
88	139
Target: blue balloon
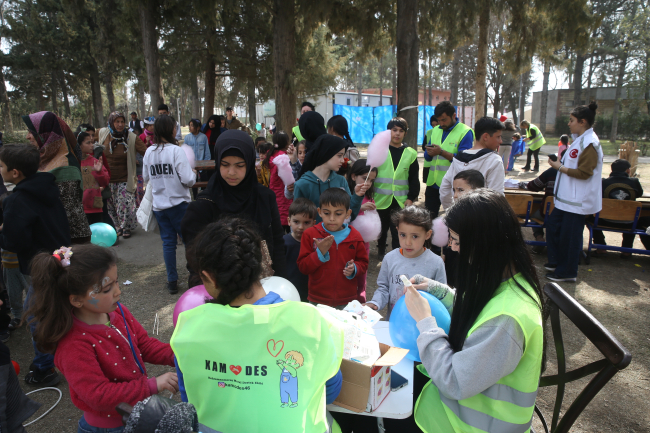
102	235
403	329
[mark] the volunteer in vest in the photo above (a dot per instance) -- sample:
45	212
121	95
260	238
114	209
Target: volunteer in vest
297	135
426	141
397	184
247	360
450	137
484	375
578	193
535	141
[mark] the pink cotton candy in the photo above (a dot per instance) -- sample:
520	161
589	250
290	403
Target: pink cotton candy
284	169
440	236
189	152
378	149
369	225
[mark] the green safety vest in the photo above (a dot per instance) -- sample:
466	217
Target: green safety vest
296	132
507	406
428	141
539	139
392	182
439	164
258	367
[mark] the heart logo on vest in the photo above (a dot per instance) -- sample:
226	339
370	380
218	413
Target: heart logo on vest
235	369
573	153
272	347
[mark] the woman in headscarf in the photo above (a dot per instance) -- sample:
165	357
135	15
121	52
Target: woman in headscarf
121	147
61	156
312	126
212	131
233	190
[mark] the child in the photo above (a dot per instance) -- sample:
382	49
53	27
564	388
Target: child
332	271
399	185
518	149
297	158
263	172
259	341
466	181
302	215
168	172
281	142
414	257
99	346
563	144
318	173
198	141
95	177
481	157
357	176
147	134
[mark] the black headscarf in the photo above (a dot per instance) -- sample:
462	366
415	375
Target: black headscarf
312	126
324	148
214	132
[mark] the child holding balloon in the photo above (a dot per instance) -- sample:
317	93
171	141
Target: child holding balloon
169	173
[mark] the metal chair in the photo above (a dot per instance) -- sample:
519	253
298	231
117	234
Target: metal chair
616	358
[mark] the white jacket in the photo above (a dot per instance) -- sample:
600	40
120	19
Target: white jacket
168	172
488	163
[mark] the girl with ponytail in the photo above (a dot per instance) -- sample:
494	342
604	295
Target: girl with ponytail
98	345
281	142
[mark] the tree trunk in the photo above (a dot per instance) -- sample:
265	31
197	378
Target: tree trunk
619	90
647	79
96	89
463	101
381	81
523	84
252	113
141	99
148	13
64	89
54	88
497	100
110	95
359	84
394	98
196	108
6	105
455	76
430	95
408	57
208	104
543	108
577	80
284	63
481	63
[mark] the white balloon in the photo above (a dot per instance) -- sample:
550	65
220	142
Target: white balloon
282	287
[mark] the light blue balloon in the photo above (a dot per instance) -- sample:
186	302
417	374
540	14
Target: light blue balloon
403	329
258	126
102	235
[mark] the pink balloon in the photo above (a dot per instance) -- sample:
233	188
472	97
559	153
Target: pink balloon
192	298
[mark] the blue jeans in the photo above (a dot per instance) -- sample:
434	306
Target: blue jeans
42	361
564	241
84	427
169	221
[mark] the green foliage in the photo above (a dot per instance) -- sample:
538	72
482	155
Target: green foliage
562	126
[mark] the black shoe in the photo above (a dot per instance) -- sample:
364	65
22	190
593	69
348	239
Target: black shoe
172	287
44	378
14	324
4	336
549	267
551	276
381	252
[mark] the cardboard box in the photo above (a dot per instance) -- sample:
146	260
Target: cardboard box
365	387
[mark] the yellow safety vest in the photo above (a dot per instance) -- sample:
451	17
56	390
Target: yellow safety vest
392	182
426	163
539	139
296	132
439	165
507	406
258	367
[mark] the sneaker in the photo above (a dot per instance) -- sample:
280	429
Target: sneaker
172	287
44	378
4	336
553	277
549	267
14	324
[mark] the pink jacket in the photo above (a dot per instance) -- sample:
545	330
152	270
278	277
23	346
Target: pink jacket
277	186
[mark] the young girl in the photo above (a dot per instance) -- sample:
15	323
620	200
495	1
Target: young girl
338	125
95	178
563	144
518	149
228	256
263	173
413	257
168	172
100	348
318	173
357	176
147	132
281	142
297	158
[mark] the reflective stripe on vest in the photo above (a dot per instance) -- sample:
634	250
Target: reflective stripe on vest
508	405
439	164
275	358
539	139
392	182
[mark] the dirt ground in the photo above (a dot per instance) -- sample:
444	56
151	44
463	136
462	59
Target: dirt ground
615	291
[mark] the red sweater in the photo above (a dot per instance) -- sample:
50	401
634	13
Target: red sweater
98	364
327	284
93	180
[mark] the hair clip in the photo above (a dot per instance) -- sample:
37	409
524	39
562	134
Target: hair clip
63	255
275	145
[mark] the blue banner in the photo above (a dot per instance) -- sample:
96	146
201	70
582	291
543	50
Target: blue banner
360	121
382	116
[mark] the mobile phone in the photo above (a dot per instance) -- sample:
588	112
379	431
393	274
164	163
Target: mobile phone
397	381
552	157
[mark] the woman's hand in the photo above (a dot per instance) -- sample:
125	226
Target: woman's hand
555	164
168	381
97	165
419	282
368	206
416	304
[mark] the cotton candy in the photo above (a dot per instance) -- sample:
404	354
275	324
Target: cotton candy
189	152
440	236
378	149
284	169
369	225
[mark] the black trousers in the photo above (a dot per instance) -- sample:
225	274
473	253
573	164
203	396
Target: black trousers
628	239
408	425
534	153
384	217
432	200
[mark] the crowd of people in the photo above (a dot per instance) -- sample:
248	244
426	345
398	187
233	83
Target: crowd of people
251	222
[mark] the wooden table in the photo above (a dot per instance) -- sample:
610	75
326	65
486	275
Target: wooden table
205	165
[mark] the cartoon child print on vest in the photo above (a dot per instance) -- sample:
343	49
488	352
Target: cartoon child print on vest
289	378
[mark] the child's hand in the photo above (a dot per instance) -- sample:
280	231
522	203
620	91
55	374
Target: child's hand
349	269
290	150
408	203
361	189
290	187
97	165
368	206
373	306
324	245
168	381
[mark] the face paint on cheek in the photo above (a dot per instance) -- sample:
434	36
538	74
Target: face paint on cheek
93	301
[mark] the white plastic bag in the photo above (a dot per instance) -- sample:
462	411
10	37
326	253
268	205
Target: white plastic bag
145	215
